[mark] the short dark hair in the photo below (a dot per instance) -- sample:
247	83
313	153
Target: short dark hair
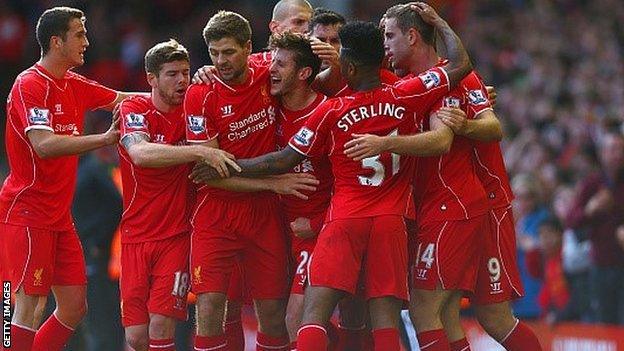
161	53
55	22
362	43
300	46
407	18
227	24
326	17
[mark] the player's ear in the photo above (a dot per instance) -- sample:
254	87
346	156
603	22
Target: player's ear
413	36
152	79
304	73
55	41
273	26
247	47
351	69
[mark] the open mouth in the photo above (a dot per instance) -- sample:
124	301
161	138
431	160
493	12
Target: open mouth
225	70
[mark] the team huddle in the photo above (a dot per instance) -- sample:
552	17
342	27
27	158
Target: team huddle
348	166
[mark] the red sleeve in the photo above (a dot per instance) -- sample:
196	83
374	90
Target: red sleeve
30	105
311	139
200	126
421	92
92	94
133	118
476	95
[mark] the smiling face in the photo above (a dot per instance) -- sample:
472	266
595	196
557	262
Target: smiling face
230	58
284	72
171	82
74	43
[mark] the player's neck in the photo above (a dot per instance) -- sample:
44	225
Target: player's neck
366	82
160	104
424	59
240	79
54	66
298	99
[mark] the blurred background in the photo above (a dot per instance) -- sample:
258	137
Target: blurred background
557	66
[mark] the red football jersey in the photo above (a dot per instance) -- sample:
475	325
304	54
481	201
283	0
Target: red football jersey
446	186
262	58
242	118
378	185
38	193
386	76
289	123
157	201
492	173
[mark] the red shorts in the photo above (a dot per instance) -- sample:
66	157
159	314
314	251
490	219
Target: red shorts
301	251
252	231
237	289
498	279
373	248
154	279
447	254
38	259
412	231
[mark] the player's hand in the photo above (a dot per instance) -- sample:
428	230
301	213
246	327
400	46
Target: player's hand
293	184
427	13
112	134
491	94
364	145
203	173
219	160
205	75
454	118
325	52
302	228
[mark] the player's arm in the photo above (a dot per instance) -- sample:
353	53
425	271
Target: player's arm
459	64
121	96
49	145
434	142
278	162
484	127
284	184
153	155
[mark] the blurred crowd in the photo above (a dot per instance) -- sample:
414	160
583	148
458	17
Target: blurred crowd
557	66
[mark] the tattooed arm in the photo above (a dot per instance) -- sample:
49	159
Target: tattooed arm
153	155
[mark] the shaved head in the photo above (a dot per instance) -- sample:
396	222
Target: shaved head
284	8
292	15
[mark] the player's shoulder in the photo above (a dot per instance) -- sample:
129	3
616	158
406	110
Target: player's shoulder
199	90
30	82
473	79
136	103
388	77
74	77
31	76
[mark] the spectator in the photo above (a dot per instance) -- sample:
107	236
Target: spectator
530	213
544	262
598	210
